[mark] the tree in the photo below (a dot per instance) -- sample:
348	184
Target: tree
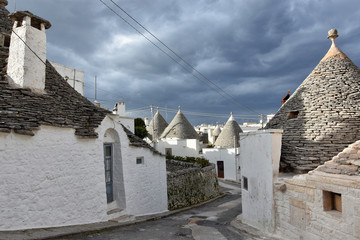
140	128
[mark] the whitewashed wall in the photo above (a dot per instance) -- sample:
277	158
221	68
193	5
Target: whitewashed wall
259	162
180	147
231	161
76	77
55	178
51	179
145	184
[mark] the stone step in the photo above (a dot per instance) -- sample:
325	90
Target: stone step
115	210
123	218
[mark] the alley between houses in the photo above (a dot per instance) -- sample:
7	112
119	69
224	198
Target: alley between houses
210	221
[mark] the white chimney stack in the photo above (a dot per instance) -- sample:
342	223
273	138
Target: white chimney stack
120	109
146	121
25	68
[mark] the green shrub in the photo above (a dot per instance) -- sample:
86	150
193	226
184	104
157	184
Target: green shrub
199	160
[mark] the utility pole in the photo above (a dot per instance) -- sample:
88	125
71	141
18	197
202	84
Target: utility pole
152	119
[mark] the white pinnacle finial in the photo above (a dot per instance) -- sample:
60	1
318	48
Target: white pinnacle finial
179	108
157	109
231	116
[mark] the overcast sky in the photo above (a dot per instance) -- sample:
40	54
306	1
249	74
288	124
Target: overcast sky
255	50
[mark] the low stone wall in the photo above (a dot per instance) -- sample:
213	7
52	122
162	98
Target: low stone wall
189	184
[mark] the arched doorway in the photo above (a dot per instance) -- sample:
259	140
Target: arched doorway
115	191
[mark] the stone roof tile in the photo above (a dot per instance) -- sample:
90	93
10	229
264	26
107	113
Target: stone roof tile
138	142
322	116
159	124
346	162
180	128
229	136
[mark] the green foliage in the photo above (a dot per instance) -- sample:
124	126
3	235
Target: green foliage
199	160
139	122
141	132
140	128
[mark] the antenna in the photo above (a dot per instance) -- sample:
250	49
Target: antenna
95	90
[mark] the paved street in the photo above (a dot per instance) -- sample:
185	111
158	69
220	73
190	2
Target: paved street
210	221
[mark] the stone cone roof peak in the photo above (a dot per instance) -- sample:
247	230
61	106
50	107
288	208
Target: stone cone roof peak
217	131
180	128
158	123
323	113
231	118
229	136
334	51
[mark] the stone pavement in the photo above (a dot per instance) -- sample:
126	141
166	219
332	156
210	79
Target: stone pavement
57	232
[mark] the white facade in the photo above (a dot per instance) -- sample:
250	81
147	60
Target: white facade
55	178
144	184
50	179
73	76
259	162
179	147
230	161
24	68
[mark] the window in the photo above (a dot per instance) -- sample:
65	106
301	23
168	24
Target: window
140	160
168	151
245	183
293	114
332	201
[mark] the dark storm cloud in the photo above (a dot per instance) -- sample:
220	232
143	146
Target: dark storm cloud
254	50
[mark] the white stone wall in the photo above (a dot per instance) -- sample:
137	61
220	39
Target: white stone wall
180	147
55	178
75	76
259	162
300	212
51	179
231	161
145	184
24	68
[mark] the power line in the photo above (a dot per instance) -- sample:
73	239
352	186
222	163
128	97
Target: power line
218	89
156	45
201	114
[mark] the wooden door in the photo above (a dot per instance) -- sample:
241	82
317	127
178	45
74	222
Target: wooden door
220	169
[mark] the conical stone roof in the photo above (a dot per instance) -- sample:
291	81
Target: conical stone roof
158	123
322	117
180	128
6	23
216	131
229	134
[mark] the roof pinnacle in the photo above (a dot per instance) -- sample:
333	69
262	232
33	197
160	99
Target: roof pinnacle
334	51
332	34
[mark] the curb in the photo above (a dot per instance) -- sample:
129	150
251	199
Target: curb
67	231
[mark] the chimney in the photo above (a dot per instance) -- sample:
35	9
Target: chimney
146	121
119	109
25	68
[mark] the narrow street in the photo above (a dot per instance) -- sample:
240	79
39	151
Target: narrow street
210	221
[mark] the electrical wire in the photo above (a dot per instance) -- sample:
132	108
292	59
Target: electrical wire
214	86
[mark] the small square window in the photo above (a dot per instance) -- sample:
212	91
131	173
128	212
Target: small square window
293	114
332	201
245	183
140	160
